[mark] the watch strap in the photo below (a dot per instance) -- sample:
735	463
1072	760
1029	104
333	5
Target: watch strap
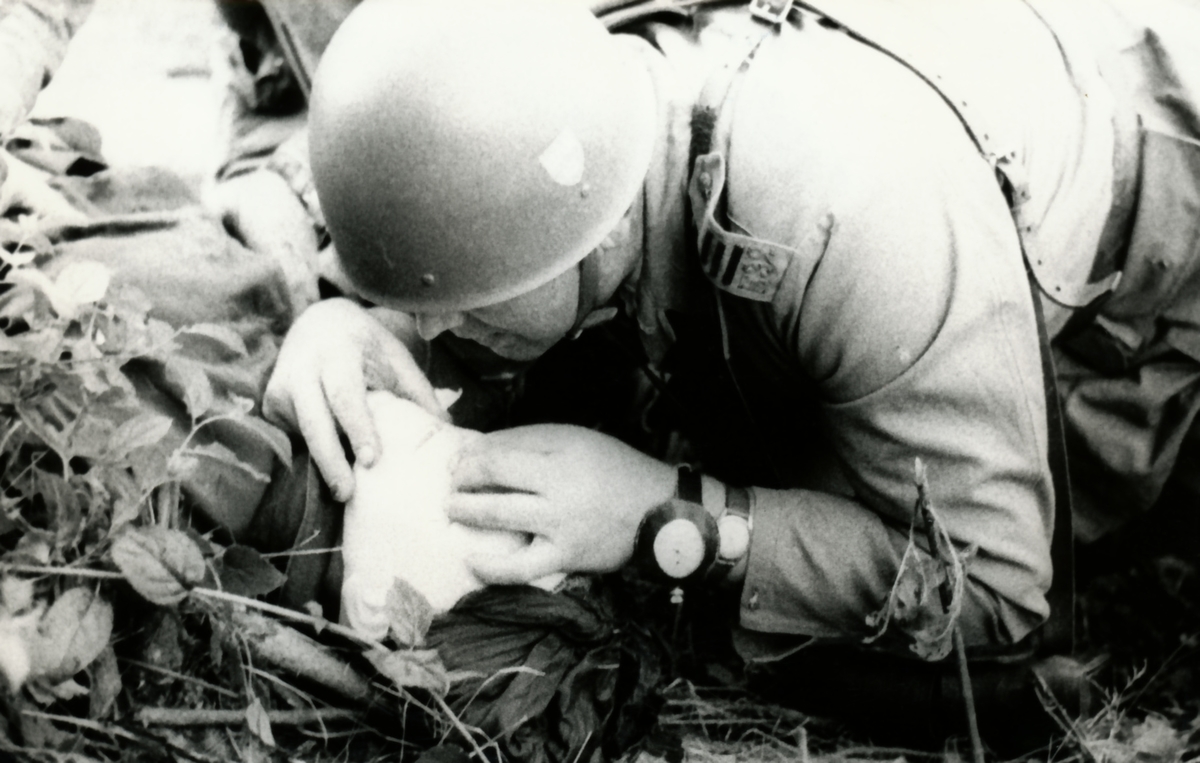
689	487
737	501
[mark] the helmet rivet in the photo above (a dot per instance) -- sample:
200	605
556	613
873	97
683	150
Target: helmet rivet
584	190
429	279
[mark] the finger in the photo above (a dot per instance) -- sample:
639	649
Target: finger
346	392
406	378
515	512
316	425
278	409
490	464
525	565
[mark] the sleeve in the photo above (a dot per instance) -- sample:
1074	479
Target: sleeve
911	313
33	42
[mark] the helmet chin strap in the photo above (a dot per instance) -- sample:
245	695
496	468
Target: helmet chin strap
589	288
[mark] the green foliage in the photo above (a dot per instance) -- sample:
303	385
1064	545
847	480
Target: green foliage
101	574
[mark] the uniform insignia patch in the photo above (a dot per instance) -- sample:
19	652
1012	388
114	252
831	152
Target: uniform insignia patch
741	265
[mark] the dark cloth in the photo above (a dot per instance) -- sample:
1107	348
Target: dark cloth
560	678
907	702
167	253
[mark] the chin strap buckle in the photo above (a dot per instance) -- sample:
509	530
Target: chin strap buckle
772	12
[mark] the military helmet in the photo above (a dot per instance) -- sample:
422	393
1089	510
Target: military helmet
467	151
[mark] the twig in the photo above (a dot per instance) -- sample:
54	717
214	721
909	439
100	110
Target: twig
287	648
117	731
946	591
84	723
460	726
319	623
887	752
341	630
302	552
180	716
180	676
80	572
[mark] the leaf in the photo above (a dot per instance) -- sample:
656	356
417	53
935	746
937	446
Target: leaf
186	461
160	564
122	491
78	284
317	612
16	594
141	431
151	468
68	689
226	337
409	613
192	382
17	636
273	436
63	504
412	669
1156	738
72	633
105	683
259	722
244	571
49	434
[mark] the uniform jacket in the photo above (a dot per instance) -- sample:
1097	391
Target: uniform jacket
902	323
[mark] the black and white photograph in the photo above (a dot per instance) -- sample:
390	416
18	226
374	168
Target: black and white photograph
599	381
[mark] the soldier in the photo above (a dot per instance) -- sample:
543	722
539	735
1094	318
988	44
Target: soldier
846	235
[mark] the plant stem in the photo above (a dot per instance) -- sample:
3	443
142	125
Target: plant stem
180	716
462	729
291	614
946	591
81	572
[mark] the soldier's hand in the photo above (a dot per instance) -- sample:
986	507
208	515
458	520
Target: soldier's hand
25	189
332	355
261	211
579	494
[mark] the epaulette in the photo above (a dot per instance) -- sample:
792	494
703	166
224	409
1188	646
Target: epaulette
734	262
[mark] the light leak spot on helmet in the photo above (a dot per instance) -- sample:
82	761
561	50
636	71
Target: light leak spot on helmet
563	159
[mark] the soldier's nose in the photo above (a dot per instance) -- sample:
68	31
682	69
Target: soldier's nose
430	325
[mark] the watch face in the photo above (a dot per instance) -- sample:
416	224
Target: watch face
679	548
734	534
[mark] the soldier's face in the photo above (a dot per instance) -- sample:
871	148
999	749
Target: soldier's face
521	328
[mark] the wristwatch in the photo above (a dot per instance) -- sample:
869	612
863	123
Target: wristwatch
677	541
734	527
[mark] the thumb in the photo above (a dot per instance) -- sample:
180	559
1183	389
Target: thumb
525	565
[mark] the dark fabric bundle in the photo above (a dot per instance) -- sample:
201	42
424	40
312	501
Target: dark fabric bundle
560	676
